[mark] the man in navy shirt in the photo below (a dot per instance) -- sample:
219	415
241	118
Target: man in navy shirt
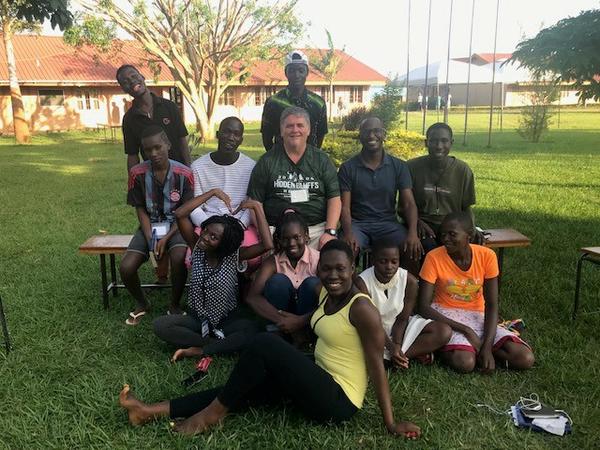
370	183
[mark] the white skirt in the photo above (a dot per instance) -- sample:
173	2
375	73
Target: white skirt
415	325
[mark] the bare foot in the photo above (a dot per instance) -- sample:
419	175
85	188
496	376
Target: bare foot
136	409
203	420
186	353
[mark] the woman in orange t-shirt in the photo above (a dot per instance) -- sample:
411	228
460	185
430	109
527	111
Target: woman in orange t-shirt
462	280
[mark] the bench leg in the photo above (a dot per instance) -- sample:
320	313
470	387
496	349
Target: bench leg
4	328
500	264
104	281
113	274
577	286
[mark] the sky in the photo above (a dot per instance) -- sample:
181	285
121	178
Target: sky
376	31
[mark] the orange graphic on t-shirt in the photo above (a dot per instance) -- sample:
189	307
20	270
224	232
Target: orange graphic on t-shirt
464	290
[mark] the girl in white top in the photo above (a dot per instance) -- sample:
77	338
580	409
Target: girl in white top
394	293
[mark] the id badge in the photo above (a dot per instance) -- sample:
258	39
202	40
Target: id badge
205	328
161	229
299	195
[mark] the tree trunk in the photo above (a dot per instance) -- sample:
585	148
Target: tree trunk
330	100
20	125
201	120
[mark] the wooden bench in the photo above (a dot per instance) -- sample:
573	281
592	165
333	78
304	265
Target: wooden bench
502	238
591	254
116	244
111	245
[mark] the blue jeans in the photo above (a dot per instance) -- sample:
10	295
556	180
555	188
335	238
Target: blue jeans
280	293
366	232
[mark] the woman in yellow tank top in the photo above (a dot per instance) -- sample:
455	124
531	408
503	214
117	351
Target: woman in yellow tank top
331	389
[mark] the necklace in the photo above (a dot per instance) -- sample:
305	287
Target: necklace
390	284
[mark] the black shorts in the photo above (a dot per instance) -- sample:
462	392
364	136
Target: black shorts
139	244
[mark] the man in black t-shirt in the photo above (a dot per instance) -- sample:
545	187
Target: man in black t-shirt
148	109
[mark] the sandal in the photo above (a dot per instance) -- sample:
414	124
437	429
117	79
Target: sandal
134	319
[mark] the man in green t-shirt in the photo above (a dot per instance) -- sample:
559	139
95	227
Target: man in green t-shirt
297	175
441	184
295	94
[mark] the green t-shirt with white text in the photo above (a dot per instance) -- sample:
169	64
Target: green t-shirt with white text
279	184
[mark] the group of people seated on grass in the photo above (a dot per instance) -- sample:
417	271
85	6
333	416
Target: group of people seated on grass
272	280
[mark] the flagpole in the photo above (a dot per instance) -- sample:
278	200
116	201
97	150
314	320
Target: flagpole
469	71
448	64
425	96
407	68
489	144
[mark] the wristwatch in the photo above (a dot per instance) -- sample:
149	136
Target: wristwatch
331	231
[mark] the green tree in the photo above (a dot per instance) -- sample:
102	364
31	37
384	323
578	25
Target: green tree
566	51
328	64
535	117
387	104
21	15
206	44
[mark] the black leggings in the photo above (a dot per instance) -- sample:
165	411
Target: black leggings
270	370
186	331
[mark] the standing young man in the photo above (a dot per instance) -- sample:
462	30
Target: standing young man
295	94
156	188
149	109
296	174
370	183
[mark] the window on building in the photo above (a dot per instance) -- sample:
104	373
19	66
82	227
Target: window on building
356	94
261	94
227	97
51	97
177	97
88	100
325	93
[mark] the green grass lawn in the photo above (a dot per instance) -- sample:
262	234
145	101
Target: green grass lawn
59	386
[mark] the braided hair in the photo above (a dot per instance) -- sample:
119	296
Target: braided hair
340	246
233	234
383	244
287	217
463	218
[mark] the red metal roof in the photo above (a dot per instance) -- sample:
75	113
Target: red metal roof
484	58
489	57
351	71
49	60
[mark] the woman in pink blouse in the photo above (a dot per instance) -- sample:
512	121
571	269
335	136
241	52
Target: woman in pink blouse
284	290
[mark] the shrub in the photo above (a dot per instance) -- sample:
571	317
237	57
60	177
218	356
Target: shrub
535	117
352	120
341	146
387	105
414	106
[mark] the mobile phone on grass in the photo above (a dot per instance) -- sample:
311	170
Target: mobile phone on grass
194	378
200	374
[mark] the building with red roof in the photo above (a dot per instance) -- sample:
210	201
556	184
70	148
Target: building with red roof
71	88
